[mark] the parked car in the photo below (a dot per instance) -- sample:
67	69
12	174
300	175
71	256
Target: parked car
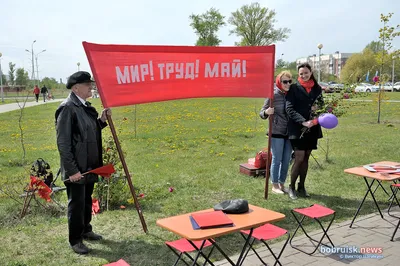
388	86
365	87
335	86
325	87
396	87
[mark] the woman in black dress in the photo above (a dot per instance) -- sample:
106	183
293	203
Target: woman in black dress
302	100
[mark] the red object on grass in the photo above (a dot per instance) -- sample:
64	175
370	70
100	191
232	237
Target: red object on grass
95	206
315	211
43	190
182	245
121	262
105	171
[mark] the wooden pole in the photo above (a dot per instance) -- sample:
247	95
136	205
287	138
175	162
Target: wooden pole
267	170
127	174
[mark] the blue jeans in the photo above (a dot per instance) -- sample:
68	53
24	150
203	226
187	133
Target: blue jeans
281	154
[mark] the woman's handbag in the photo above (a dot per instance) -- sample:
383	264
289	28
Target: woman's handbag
261	159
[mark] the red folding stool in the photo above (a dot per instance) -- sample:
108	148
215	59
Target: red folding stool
315	212
264	233
184	247
395	188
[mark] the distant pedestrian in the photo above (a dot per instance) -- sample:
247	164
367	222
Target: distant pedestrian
44	92
36	91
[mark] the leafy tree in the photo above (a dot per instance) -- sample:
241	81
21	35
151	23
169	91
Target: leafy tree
358	65
206	27
22	77
3	79
386	35
374	46
255	26
51	83
11	74
280	63
287	66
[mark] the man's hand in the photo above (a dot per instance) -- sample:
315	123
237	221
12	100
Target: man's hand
76	177
104	114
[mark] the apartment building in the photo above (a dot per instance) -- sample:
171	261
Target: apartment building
330	63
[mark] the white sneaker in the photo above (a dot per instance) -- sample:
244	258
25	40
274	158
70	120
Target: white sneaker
277	191
285	190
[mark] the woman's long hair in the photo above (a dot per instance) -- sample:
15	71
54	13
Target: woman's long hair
307	65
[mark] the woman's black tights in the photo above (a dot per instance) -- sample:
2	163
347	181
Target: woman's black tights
299	168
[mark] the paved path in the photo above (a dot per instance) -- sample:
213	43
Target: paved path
14	106
368	231
366	100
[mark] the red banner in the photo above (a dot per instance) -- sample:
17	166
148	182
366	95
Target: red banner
132	74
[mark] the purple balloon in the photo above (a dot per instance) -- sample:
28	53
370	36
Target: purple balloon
328	121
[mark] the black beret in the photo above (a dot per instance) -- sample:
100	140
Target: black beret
79	77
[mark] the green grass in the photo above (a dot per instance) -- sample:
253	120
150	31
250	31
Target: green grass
195	146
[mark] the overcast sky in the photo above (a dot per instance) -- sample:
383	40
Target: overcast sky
61	26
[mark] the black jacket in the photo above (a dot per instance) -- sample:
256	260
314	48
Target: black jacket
78	138
298	108
280	117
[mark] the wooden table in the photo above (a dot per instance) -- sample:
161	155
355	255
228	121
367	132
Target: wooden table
375	177
256	217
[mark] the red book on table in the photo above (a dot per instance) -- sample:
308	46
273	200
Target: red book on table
211	219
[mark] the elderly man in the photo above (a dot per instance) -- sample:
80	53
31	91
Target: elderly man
80	146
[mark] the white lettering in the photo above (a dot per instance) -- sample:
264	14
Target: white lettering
144	70
225	70
179	70
169	69
135	73
123	78
211	73
151	70
236	68
189	71
161	67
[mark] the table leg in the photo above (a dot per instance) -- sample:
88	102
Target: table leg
369	186
200	252
393	198
380	185
242	256
372	194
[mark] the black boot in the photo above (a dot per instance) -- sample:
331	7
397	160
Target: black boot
301	190
292	193
80	248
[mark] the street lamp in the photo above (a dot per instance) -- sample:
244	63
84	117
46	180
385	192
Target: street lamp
338	64
1	81
394	57
33	62
319	61
78	64
37	65
314	55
